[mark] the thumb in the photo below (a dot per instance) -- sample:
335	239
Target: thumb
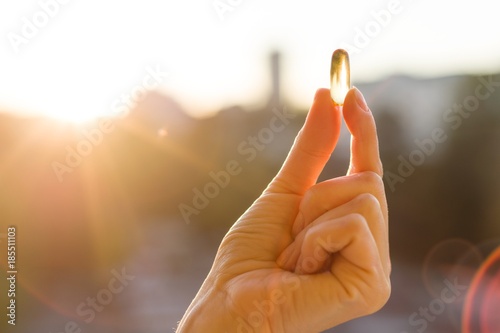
312	147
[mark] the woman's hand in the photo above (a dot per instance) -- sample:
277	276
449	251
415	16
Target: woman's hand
305	257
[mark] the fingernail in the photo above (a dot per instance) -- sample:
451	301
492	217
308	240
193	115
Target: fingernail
360	100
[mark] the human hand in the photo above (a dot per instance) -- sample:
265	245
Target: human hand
305	257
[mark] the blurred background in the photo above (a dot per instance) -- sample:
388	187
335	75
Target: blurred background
120	122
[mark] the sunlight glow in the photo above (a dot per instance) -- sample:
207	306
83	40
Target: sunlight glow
75	68
73	117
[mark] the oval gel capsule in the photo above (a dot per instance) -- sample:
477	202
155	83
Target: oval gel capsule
340	76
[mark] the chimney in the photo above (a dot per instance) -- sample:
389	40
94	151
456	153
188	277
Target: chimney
275	79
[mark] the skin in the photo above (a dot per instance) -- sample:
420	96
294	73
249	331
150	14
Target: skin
306	256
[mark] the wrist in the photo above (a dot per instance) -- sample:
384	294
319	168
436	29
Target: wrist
207	313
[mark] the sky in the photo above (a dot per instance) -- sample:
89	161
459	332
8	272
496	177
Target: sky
75	60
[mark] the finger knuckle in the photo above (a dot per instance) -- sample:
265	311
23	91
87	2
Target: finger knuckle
357	221
368	203
372	178
373	183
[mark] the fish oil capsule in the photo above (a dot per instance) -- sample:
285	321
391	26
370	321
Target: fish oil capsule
340	76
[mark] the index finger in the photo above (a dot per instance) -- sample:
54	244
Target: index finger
364	141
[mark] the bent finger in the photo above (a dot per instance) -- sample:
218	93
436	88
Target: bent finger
335	192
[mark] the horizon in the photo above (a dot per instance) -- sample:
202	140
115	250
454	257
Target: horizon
217	56
257	105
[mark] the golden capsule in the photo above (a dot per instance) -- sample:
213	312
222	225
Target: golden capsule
340	76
